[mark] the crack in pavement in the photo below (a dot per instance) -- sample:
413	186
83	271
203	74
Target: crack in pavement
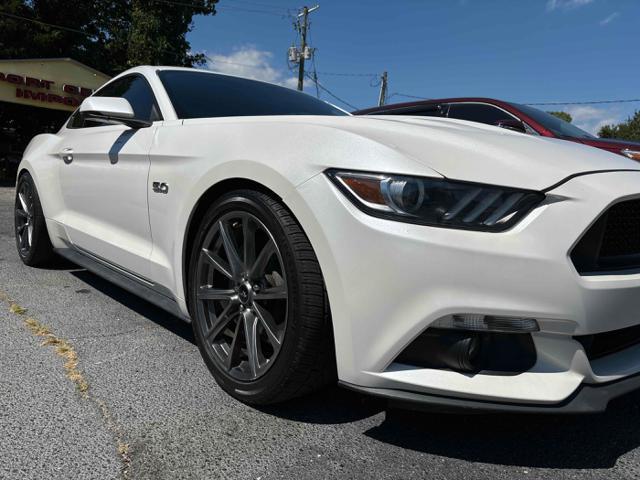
65	350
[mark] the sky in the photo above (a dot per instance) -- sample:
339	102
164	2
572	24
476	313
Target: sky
526	51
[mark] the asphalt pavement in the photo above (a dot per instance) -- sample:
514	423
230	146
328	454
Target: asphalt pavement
149	409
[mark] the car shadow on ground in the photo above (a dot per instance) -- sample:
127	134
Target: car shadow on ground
542	441
330	406
137	304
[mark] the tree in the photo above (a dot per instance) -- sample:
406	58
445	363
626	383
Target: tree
109	35
563	116
629	130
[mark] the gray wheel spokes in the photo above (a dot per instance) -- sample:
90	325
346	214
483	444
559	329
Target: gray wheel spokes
269	325
221	322
23	240
249	290
237	267
23	202
209	293
259	266
24	217
234	348
250	322
249	241
216	262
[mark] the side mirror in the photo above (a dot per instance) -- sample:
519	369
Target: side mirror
512	124
111	110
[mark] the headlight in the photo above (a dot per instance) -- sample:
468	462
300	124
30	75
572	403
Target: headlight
633	154
436	202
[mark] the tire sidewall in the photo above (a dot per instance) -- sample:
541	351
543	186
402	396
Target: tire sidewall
251	202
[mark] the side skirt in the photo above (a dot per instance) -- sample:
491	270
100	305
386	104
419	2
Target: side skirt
154	293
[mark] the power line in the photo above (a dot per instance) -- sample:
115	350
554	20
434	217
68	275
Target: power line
252	10
588	102
347	74
223	7
594	102
325	89
398	94
314	78
62	27
50	25
257	4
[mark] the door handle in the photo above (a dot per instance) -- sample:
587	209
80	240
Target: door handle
67	155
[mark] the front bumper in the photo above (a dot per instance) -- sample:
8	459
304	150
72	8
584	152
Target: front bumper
587	398
388	281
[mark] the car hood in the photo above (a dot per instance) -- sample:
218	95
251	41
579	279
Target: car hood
475	152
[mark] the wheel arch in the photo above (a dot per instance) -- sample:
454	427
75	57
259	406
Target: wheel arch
286	193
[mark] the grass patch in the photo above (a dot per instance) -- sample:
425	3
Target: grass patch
65	350
17	309
62	348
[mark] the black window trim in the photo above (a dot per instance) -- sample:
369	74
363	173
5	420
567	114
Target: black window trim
132	74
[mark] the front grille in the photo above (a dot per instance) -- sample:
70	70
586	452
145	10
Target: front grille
612	243
622	233
603	344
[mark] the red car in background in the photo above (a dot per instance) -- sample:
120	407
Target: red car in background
522	118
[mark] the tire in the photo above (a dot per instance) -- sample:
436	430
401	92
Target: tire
32	239
279	311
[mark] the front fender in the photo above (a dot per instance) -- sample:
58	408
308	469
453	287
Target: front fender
42	162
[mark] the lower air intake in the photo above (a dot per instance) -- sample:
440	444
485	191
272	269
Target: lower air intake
612	244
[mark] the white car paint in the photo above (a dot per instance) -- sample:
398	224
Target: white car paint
386	280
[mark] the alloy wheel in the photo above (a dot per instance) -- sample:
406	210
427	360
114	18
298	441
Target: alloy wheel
24	217
242	295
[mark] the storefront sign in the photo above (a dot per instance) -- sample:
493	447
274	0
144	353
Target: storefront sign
40	90
61	83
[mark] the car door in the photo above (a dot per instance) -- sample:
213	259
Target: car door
103	178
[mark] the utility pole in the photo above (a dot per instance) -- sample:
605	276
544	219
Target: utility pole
304	52
383	89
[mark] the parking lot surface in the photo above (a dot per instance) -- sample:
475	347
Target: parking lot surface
139	403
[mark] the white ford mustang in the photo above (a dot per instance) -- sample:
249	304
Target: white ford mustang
425	260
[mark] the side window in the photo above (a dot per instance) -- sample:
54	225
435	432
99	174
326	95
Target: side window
477	112
431	111
136	90
422	111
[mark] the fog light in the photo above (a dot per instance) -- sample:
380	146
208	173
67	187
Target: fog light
487	323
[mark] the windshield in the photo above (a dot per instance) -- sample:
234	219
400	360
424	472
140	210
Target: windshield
558	126
205	95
